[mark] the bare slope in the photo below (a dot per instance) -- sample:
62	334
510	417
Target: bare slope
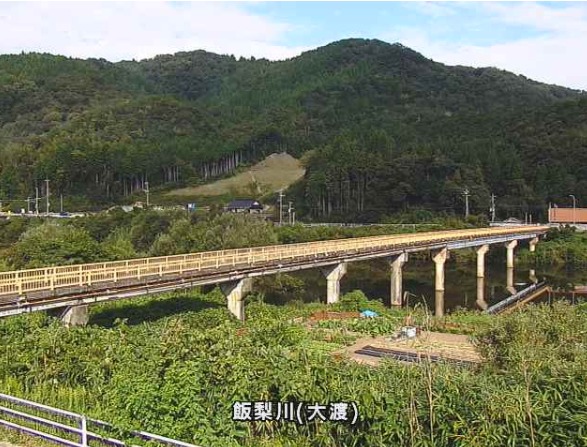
273	173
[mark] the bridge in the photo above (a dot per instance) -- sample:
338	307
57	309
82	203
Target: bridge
73	287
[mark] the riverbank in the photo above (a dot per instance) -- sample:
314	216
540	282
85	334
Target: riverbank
559	247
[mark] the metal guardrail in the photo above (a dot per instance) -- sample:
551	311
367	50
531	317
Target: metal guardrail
498	307
21	282
44	421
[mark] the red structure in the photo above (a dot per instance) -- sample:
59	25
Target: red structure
567	215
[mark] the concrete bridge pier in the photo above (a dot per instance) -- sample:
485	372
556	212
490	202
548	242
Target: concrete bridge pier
481	251
533	243
510	253
333	276
396	281
439	303
75	315
510	246
532	276
235	292
439	260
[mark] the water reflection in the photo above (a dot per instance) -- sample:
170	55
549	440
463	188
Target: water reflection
510	280
461	283
481	294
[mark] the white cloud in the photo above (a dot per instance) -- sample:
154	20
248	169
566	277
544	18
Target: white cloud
570	19
433	9
128	30
135	30
554	54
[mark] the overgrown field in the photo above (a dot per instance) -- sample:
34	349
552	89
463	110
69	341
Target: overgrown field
175	365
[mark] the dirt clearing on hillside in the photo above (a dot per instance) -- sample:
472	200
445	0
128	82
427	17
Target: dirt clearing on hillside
275	172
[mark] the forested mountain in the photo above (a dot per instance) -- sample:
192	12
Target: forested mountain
389	130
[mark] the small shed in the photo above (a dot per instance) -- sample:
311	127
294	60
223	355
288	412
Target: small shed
245	206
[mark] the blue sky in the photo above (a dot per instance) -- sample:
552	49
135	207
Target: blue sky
545	41
327	21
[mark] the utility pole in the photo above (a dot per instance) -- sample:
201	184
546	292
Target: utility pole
281	196
147	191
492	208
466	194
47	195
294	218
574	207
28	205
37	200
289	210
61	203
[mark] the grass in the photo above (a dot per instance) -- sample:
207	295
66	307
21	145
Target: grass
183	361
275	172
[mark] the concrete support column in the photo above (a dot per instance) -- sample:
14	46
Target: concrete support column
396	289
439	259
333	276
533	243
75	315
439	303
235	292
510	253
481	251
532	276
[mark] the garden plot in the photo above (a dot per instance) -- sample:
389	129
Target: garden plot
450	347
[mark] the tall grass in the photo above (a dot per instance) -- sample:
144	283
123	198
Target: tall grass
178	375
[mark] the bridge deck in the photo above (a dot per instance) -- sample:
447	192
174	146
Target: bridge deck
58	285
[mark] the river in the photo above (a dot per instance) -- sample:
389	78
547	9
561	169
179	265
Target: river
462	287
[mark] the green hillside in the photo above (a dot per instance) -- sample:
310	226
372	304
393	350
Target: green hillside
390	130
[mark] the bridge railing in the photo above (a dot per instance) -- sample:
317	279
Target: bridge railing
80	275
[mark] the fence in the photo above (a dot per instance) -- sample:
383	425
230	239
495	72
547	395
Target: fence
64	427
412	226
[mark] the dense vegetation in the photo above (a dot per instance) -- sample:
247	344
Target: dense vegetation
390	131
116	235
561	246
179	374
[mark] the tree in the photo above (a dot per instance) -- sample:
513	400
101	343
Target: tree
54	243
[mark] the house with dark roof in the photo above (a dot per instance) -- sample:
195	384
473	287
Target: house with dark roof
245	206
